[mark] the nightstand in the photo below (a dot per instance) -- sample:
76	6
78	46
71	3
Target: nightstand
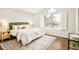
5	35
73	42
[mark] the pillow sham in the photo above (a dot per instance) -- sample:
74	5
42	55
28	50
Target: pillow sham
24	26
15	27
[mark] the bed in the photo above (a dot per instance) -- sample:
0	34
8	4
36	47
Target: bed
25	33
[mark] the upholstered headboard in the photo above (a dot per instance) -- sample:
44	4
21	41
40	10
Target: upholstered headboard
17	23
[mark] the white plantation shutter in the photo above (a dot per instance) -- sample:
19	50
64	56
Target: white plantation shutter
64	21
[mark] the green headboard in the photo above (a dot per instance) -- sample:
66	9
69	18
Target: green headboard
17	23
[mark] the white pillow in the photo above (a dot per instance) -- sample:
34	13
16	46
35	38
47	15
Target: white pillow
24	26
28	26
21	27
15	27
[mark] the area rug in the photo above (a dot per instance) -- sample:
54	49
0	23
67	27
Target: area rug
39	44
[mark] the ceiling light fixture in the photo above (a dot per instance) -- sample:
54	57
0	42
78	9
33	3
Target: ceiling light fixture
48	15
52	10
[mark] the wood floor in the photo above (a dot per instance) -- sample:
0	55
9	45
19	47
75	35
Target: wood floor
3	41
58	44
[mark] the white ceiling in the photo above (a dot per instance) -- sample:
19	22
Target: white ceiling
36	10
30	10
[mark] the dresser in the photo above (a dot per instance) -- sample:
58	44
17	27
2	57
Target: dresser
73	42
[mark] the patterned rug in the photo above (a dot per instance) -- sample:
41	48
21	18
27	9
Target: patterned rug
39	44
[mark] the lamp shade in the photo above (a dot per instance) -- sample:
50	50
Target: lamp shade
3	25
0	23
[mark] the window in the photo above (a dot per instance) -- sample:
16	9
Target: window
53	21
56	19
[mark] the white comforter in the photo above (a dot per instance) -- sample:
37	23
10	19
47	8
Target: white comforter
27	35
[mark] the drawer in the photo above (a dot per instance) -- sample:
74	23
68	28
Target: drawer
6	35
73	44
75	38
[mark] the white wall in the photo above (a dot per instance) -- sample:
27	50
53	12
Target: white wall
71	22
38	20
0	13
76	20
14	15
